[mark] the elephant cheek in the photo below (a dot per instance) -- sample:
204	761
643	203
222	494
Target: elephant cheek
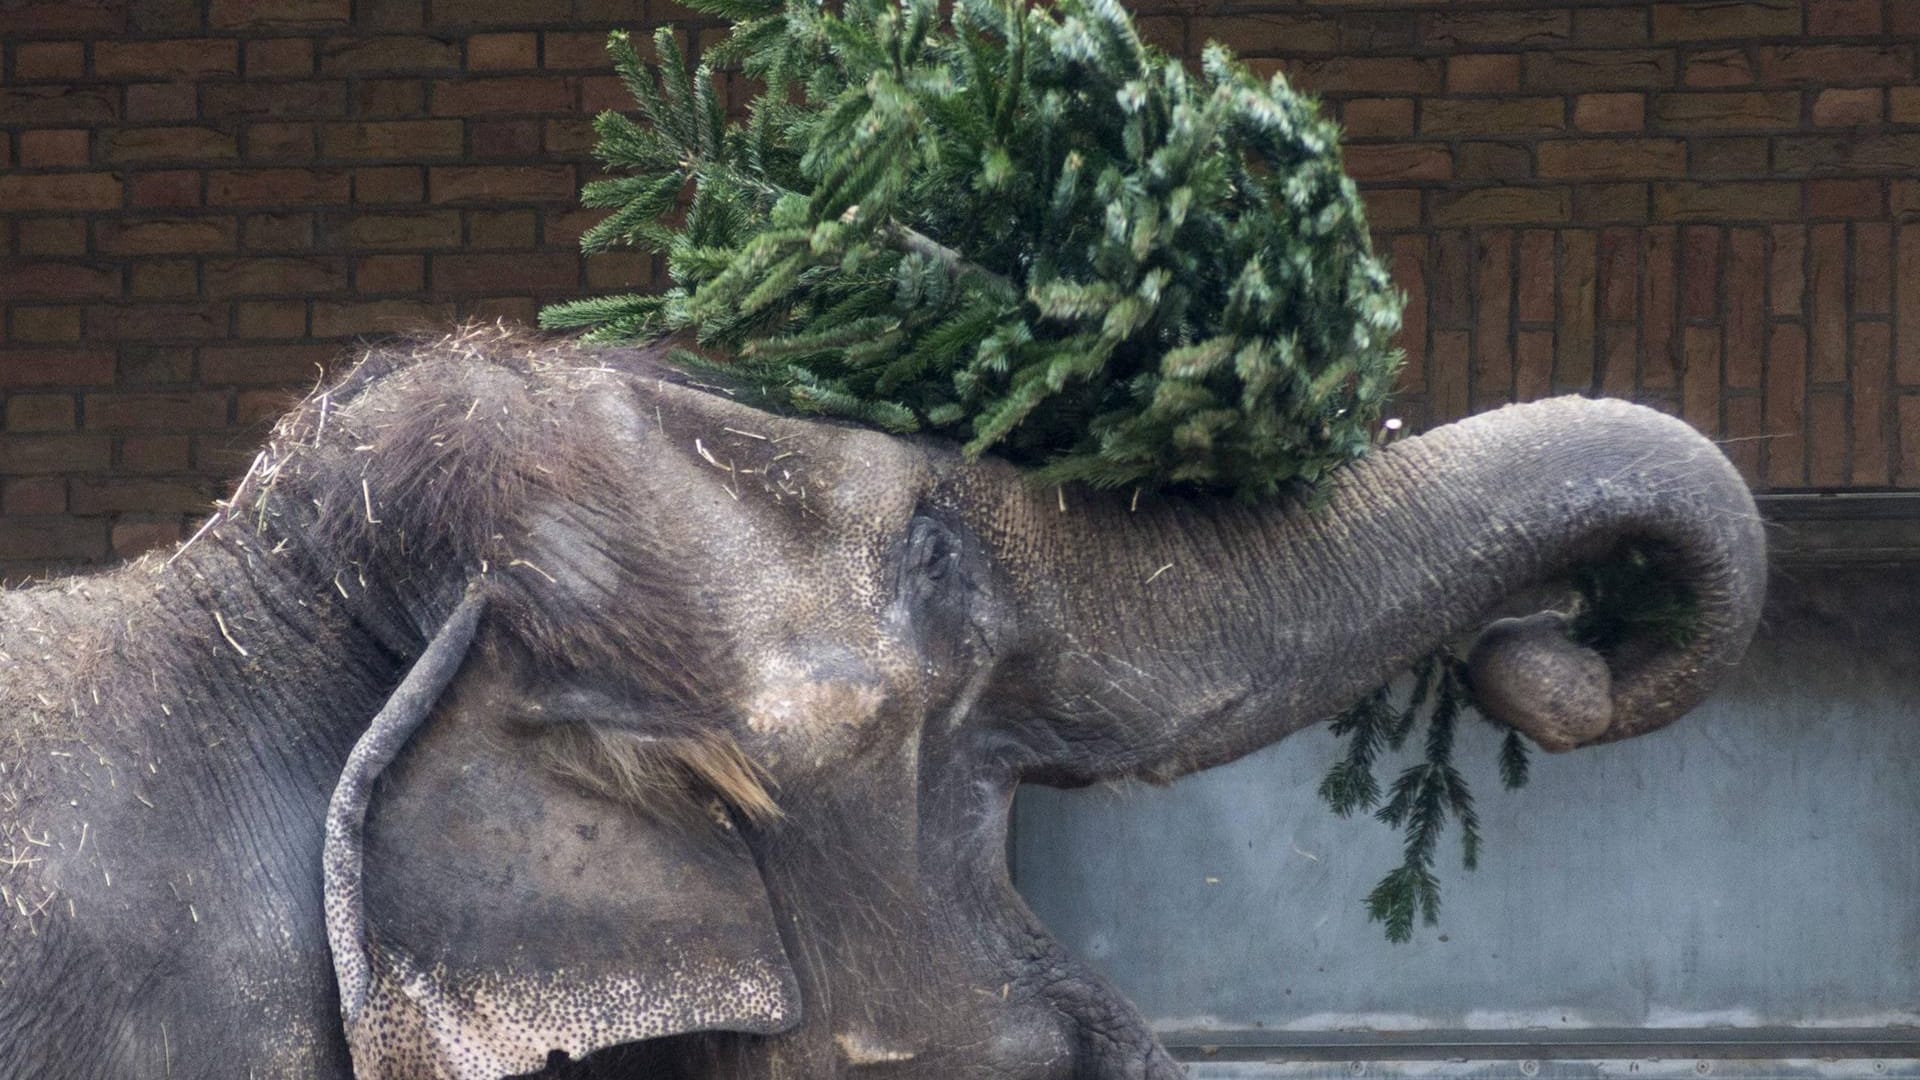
808	718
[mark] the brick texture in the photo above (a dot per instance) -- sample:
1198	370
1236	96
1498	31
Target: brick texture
1712	206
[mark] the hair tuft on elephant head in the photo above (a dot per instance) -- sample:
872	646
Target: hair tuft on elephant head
530	707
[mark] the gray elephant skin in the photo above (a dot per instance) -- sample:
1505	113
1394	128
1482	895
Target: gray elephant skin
535	708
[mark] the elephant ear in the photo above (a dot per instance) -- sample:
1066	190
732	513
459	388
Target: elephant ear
484	912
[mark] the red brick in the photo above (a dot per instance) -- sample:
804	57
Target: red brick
46	539
1624	204
1726	20
1746	315
278	187
65	16
500	183
1869	460
1788	270
1907	369
164	278
1659	368
1365	118
602	93
1573	358
496	139
1616	280
281	58
348	318
389	184
158	102
1872	269
287	100
1717	68
155	453
37	60
156	412
180	59
1493	316
275	276
1505	161
497	12
1785	409
1908	433
1610	112
280	142
576	51
1848	108
1827	281
1740	111
105	495
1903	19
622	270
1492	73
1387	209
377	99
1613	159
392	14
1619	355
1533	365
53	149
503	52
44	105
55	367
259	408
1600	69
412	229
134	146
502	95
1269	34
1827	438
1360	74
1700	378
1497	116
147	323
1745	433
173	189
1451	288
278	232
1402	161
35	413
131	539
67	191
47	325
36	495
406	140
1451	30
22	280
1903	104
378	274
1844	199
536	273
1448	399
1738	158
166	236
1502	206
500	228
269	319
1538	273
389	54
1818	64
1700	274
254	365
1726	201
278	15
1844	18
1610	26
1409	266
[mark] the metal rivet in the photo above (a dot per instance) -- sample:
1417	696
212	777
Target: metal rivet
1529	1068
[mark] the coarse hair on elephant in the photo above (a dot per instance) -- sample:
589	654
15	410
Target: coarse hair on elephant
531	706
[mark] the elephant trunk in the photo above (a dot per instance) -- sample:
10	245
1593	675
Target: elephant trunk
1188	632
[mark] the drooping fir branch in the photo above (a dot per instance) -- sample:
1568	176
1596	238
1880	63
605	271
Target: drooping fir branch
1018	226
1624	595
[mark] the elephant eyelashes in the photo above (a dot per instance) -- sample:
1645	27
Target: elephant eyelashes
664	777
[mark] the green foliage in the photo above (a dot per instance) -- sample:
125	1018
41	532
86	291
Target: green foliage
1623	596
1019	227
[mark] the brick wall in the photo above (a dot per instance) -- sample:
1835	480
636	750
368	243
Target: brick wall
1703	205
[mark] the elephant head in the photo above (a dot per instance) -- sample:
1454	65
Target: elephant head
711	719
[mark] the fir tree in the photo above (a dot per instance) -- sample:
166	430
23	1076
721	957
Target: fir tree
1023	228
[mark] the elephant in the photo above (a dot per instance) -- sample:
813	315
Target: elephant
532	707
